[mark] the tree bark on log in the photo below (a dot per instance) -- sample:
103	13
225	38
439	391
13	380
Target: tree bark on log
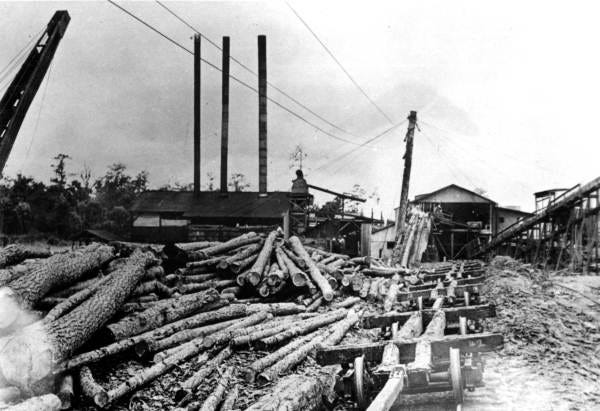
15	271
391	297
186	388
156	316
180	337
347	303
90	387
242	255
279	255
300	263
299	392
48	402
236	242
9	394
366	286
314	305
315	274
412	328
225	313
67	305
196	287
326	253
261	364
214	399
223	337
16	253
197	278
58	270
73	329
256	271
153	286
301	328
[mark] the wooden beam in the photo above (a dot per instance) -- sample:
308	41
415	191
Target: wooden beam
345	354
438	292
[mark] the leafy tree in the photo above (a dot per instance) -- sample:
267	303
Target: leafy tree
238	182
177	187
60	173
210	186
117	188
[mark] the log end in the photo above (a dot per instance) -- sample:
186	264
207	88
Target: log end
253	278
181	394
249	375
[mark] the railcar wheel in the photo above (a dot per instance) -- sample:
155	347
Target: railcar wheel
456	375
359	383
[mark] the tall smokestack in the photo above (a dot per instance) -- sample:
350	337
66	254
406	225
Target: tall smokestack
262	115
225	114
197	108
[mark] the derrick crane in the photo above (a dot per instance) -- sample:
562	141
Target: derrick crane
22	89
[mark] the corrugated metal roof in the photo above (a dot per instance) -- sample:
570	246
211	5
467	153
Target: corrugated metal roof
212	204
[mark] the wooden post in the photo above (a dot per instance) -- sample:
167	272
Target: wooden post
197	111
452	245
262	115
365	240
402	209
224	114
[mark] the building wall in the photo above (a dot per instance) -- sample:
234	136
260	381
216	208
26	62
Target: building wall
382	243
507	218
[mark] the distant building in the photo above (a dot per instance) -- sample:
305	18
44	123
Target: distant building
382	241
463	217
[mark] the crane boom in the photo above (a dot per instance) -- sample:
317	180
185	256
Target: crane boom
22	90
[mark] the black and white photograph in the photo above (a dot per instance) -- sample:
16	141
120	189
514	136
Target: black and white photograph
299	205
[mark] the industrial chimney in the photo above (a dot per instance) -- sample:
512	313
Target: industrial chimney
197	107
225	114
262	115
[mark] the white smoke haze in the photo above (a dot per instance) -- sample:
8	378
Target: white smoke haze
25	352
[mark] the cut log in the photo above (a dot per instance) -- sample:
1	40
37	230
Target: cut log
156	316
73	301
347	303
179	251
299	392
153	286
223	337
412	328
393	387
256	271
195	287
337	332
315	274
225	313
245	264
300	263
58	270
384	272
418	370
326	253
281	261
373	294
148	374
214	399
8	395
197	278
242	255
90	387
16	253
275	276
152	345
48	402
156	272
259	365
236	242
186	388
301	328
235	291
315	304
73	329
231	398
65	392
277	309
204	264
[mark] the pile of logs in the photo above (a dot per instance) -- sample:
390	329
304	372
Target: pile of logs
65	316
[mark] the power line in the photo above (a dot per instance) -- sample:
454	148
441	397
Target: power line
341	157
248	86
340	64
245	67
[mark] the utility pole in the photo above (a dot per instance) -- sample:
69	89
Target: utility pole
402	209
197	111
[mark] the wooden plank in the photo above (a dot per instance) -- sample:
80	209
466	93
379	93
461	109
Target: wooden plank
438	292
460	282
474	312
345	354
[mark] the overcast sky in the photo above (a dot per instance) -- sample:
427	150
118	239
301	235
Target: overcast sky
506	92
